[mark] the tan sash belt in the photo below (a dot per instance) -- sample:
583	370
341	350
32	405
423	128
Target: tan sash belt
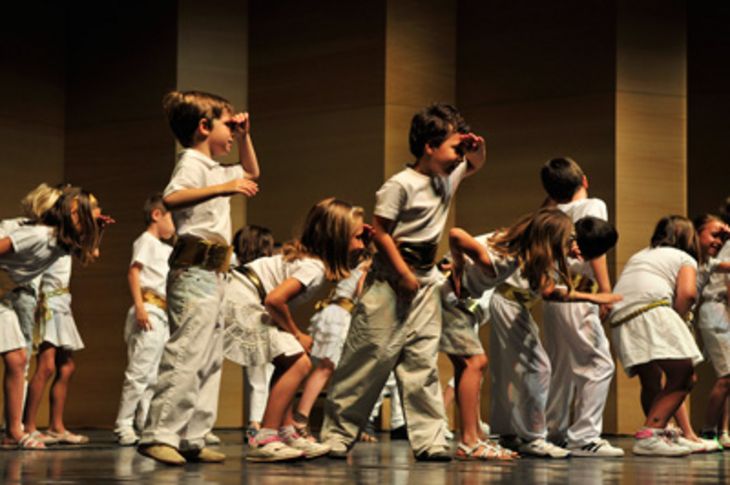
195	251
149	296
420	256
519	295
255	280
347	303
639	311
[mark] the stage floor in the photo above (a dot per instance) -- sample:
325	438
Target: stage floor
378	463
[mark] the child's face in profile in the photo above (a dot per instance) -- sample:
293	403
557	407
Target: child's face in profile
444	158
220	139
357	241
165	224
711	240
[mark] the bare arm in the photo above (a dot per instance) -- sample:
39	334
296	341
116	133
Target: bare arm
188	197
276	304
600	271
246	153
386	245
6	246
475	153
685	290
143	320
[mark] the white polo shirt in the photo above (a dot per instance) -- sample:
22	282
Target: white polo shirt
210	219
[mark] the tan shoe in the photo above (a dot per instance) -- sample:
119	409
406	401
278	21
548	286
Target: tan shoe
163	453
204	455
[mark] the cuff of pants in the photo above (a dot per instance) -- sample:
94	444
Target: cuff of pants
160	437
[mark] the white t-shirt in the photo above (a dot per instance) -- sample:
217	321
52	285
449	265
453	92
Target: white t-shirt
153	255
273	270
35	248
419	205
578	209
714	285
476	280
650	275
210	219
58	275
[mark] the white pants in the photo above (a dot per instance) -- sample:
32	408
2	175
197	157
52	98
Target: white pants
144	351
520	371
386	334
582	369
396	408
258	380
185	402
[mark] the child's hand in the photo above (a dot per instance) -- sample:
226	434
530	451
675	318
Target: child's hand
244	186
243	125
606	298
474	148
306	341
143	319
604	310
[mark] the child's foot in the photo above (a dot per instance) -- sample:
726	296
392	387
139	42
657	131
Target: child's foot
163	453
268	447
725	440
212	439
543	448
304	431
67	437
482	451
368	433
654	442
599	448
203	455
44	438
399	433
126	437
309	449
25	442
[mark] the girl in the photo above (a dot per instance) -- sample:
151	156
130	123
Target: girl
73	225
537	245
260	327
649	332
329	328
713	321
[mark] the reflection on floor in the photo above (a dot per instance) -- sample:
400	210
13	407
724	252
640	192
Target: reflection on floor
377	463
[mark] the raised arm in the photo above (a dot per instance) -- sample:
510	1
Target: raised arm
475	152
246	153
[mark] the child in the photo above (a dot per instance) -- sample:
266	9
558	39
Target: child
199	195
329	326
576	344
649	333
397	322
713	322
146	329
260	327
537	245
72	225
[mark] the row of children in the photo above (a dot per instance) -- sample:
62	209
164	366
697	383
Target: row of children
401	310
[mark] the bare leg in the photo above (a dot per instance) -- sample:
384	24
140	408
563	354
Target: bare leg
13	387
312	388
679	375
45	370
650	376
714	417
468	372
59	391
682	418
289	374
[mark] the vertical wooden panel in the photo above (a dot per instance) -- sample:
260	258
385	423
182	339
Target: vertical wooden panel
121	61
650	141
212	55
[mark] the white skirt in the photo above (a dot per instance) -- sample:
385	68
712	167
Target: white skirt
714	324
11	337
657	334
329	329
251	338
60	330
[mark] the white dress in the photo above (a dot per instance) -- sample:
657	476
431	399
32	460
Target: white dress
58	326
714	321
660	333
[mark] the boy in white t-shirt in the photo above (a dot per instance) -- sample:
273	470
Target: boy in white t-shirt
576	344
397	323
146	329
199	194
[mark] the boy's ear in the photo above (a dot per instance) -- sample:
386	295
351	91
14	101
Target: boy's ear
156	214
205	126
585	182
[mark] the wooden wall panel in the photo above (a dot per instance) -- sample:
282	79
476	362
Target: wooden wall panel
120	63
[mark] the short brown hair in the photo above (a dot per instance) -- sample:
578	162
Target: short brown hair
676	232
561	178
253	242
185	109
153	202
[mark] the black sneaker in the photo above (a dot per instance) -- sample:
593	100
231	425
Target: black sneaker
442	455
399	433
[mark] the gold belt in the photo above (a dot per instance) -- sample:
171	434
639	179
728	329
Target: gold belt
195	251
585	284
639	311
347	303
421	256
254	279
149	296
519	295
43	313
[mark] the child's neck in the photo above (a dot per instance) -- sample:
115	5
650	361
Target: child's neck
203	148
422	166
580	194
154	230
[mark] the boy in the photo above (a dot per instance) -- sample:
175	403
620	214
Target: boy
146	330
576	343
199	193
397	323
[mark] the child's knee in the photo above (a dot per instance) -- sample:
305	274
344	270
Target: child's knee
304	364
16	360
477	362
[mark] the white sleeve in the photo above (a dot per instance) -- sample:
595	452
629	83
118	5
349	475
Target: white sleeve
596	208
143	252
389	200
308	271
27	238
185	176
458	175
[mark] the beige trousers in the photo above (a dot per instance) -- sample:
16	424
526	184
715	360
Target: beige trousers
387	334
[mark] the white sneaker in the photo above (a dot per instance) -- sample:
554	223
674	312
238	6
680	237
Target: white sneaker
701	446
310	449
272	449
724	440
540	447
485	428
126	437
212	439
599	448
654	442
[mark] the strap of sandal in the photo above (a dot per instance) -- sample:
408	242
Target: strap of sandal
28	442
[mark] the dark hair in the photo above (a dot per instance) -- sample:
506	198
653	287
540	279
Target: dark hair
725	211
561	178
702	220
81	243
594	236
676	232
432	125
252	242
185	109
153	202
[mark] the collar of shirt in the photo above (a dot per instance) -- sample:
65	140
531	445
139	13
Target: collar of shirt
201	157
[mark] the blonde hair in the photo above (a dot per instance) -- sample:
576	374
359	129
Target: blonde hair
185	109
328	228
539	241
39	201
82	242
